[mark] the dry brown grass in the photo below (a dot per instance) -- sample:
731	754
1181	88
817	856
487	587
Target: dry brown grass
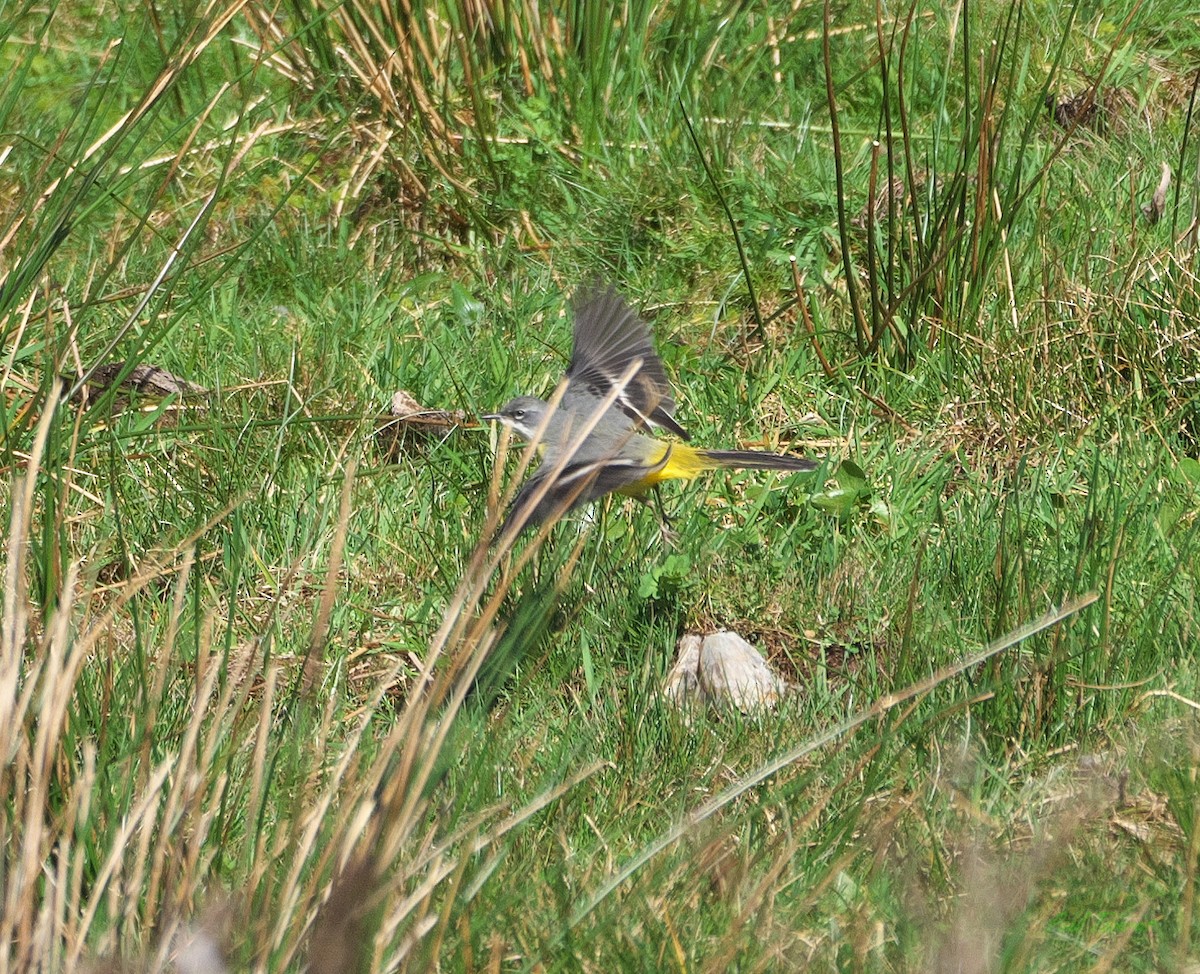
352	868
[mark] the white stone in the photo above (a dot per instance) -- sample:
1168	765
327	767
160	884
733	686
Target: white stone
683	682
725	671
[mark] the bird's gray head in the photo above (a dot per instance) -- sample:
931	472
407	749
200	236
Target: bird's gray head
523	415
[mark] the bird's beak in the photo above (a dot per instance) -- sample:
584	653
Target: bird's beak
487	416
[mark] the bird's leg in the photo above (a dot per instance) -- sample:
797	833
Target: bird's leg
665	528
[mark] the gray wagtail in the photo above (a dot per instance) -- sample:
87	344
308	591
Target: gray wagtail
595	440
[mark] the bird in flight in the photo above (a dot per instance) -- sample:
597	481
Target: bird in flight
599	437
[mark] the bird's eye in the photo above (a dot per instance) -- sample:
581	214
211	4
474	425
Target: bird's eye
518	414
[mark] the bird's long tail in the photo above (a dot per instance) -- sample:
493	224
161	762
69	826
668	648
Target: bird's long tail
754	460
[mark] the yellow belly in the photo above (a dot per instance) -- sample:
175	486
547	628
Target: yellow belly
682	463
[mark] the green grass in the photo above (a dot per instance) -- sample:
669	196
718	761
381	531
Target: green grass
241	635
